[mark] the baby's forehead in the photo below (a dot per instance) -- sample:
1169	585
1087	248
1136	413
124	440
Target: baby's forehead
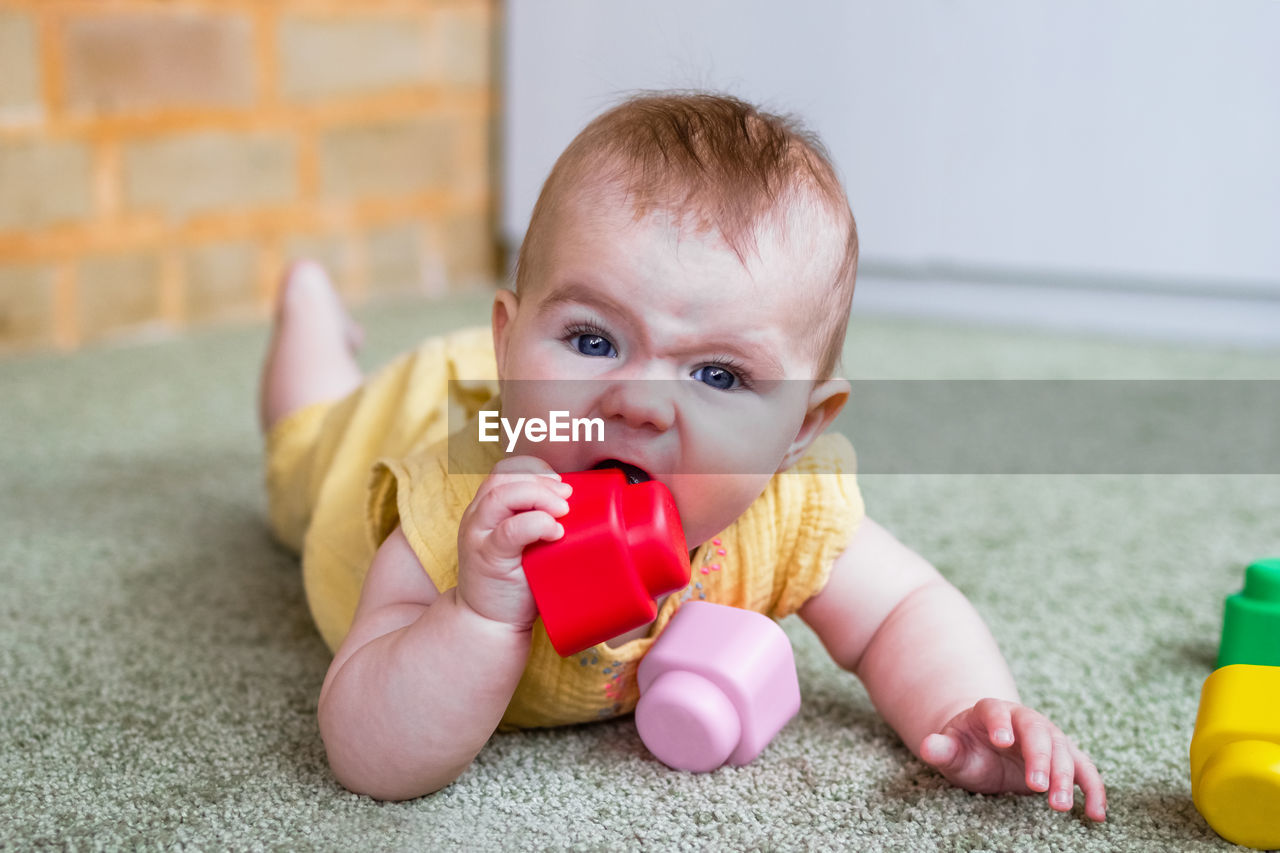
786	267
799	227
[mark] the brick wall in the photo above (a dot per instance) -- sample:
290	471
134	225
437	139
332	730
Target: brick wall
161	160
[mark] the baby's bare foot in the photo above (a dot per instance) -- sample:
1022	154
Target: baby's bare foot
311	355
308	295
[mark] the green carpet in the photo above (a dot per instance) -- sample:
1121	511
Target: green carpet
160	671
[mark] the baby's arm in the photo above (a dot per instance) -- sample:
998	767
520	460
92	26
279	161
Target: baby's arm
935	674
422	680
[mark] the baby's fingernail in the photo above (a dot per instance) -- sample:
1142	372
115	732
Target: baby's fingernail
1039	781
1062	798
559	530
1004	736
564	488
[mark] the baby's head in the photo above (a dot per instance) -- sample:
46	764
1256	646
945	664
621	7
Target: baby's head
716	168
704	246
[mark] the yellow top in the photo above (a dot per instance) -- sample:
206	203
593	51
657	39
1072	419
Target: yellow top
771	560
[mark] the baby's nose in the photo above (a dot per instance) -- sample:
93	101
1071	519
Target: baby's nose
640	403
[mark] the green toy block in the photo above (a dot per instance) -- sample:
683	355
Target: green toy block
1251	624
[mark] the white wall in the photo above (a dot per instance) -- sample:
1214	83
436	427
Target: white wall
1083	146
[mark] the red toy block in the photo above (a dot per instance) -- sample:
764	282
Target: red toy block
623	546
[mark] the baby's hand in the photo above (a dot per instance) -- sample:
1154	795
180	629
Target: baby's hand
998	746
515	506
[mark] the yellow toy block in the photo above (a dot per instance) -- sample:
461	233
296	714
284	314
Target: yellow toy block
1235	754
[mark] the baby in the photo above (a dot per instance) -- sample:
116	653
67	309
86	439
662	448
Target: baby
691	240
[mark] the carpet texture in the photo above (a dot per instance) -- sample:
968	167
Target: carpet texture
160	671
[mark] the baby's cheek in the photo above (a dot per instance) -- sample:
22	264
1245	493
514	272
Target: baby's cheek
709	504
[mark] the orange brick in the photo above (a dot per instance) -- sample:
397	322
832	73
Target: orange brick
222	281
336	56
396	258
26	305
197	172
131	61
388	158
19	69
160	159
118	293
473	167
471	253
462	46
43	183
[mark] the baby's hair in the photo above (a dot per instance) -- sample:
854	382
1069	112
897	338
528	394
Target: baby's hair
712	162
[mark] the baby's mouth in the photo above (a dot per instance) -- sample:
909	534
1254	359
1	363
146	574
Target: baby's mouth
634	475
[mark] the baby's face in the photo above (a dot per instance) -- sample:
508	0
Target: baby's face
700	366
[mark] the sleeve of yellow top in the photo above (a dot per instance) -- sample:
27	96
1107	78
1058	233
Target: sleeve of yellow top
817	508
454	377
422	502
420	495
382	512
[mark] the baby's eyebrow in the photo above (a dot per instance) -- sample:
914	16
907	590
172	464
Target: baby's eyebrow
762	360
584	295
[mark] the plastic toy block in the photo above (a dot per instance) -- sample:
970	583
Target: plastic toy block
1251	623
717	685
1235	754
623	546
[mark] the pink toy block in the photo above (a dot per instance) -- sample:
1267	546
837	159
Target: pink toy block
715	687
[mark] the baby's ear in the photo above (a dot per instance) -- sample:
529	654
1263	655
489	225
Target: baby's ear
505	305
825	402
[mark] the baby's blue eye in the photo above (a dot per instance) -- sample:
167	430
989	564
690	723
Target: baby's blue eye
716	377
594	345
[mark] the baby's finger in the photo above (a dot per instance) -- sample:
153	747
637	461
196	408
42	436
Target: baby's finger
516	468
1036	739
512	536
1090	781
493	483
524	465
1062	791
517	496
941	751
997	719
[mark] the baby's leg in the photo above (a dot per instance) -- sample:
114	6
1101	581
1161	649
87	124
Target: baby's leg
311	357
